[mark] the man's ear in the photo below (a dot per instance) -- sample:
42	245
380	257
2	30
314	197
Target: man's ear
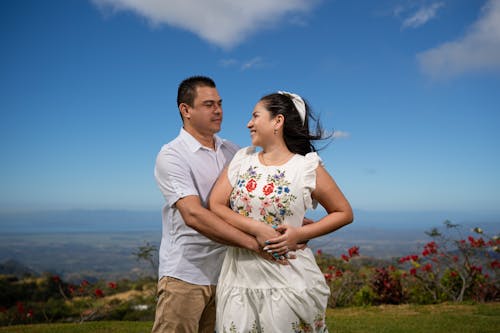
184	110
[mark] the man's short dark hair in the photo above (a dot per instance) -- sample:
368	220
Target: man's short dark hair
187	89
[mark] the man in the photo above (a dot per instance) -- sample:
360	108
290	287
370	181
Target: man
191	253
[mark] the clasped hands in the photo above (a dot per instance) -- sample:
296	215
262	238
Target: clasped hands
277	241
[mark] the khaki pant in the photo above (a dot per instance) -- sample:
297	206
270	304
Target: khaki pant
184	307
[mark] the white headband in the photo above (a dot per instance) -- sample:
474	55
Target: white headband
298	102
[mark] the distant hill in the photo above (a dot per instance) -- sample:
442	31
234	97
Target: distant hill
13	267
79	221
124	220
101	243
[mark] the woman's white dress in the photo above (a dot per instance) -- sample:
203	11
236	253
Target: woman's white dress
254	294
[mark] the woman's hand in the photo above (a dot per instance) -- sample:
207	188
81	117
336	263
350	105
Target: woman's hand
263	232
289	240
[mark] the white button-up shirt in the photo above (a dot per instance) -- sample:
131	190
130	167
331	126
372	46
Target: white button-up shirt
184	167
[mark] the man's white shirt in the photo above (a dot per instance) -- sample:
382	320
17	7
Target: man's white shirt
184	167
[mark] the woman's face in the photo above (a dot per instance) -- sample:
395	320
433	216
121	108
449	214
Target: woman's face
261	125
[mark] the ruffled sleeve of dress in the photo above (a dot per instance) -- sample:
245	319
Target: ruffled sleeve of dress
234	168
312	160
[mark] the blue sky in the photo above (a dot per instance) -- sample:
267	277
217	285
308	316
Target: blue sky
411	89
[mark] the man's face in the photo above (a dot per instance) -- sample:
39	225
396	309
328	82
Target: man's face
205	116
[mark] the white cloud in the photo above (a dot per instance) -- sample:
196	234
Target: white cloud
256	62
477	50
422	16
341	134
225	23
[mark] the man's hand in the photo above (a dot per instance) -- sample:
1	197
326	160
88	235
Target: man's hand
279	259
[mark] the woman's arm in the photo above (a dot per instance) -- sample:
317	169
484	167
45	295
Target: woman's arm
328	194
219	204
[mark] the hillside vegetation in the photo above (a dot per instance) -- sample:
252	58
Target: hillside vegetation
445	271
462	318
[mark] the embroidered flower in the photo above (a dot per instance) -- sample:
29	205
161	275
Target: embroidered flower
266	203
268	189
301	327
251	185
269	219
274	196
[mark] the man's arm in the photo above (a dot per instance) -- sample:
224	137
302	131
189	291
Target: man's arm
210	225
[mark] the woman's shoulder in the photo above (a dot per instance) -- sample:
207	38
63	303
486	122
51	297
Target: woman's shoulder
311	158
243	154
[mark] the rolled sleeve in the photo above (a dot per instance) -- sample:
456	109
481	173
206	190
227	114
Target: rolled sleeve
173	177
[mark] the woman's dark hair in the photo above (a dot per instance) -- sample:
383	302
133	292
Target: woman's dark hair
186	92
298	137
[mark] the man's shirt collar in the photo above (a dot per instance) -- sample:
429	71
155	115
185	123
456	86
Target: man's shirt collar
194	144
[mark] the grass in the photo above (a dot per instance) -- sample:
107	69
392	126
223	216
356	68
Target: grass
464	318
89	327
416	318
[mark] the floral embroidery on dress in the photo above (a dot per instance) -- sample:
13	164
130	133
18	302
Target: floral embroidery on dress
275	204
240	199
254	329
319	323
301	327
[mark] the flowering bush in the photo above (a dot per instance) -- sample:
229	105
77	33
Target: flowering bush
455	270
446	269
50	299
345	280
386	285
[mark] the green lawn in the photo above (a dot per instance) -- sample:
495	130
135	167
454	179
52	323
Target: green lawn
416	318
482	318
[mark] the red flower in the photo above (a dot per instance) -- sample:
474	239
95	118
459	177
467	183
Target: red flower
99	293
56	279
319	252
427	268
353	251
328	277
453	274
414	257
495	264
413	271
331	268
476	242
430	248
339	273
20	307
345	258
402	260
478	269
84	283
251	185
112	285
268	189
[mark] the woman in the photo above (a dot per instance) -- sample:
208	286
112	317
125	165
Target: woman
261	192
